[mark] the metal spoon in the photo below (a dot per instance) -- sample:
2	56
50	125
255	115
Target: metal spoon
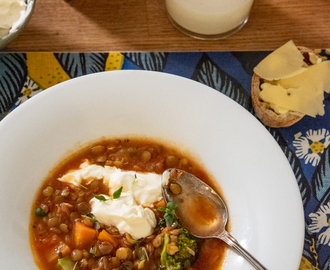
200	209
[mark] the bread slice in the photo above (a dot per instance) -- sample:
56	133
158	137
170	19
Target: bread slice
263	110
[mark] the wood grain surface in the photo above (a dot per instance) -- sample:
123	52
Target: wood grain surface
143	25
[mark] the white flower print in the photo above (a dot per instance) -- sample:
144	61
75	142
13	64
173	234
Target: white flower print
29	89
310	147
321	222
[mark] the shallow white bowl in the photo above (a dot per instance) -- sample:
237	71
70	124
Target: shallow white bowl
265	207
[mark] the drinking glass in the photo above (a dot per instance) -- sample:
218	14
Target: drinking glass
209	19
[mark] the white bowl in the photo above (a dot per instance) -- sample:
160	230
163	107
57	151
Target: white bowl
5	40
264	202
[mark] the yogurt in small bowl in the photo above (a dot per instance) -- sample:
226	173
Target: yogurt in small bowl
14	15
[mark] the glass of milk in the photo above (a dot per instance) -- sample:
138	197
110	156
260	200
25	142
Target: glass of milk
209	19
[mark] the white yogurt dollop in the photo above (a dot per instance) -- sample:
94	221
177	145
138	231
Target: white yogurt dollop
145	188
86	173
12	13
126	213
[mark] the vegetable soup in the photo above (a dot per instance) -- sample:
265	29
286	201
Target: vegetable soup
102	209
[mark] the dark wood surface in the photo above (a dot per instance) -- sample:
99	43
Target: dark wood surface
143	25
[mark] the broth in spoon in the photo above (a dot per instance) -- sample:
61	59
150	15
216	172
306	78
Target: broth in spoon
200	209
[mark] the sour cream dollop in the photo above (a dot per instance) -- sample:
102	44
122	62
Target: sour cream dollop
86	174
12	13
145	188
126	213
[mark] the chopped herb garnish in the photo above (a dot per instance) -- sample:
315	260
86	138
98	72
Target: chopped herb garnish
169	212
117	193
101	198
145	254
91	216
171	205
135	180
40	212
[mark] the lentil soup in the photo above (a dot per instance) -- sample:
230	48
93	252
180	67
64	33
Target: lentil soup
83	217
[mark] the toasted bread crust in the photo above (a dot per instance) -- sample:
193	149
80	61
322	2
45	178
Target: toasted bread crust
266	115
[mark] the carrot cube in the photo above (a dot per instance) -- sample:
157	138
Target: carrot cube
105	236
84	236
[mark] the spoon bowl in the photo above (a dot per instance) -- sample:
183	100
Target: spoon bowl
200	209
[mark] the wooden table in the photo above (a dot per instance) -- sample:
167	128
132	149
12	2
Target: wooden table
143	25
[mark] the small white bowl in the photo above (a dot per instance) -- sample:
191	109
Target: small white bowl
4	41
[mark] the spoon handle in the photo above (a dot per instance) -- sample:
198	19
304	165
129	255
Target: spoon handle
231	241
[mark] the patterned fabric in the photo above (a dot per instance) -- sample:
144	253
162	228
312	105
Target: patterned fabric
305	144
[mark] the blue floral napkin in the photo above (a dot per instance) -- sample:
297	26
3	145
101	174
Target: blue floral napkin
305	144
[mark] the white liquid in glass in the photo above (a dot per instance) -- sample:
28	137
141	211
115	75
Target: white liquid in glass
209	17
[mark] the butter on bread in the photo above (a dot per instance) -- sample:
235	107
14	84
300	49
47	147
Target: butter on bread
264	110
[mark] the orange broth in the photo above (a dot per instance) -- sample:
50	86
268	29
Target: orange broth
65	206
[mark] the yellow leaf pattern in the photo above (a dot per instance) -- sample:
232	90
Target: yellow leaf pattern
44	69
306	265
115	61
